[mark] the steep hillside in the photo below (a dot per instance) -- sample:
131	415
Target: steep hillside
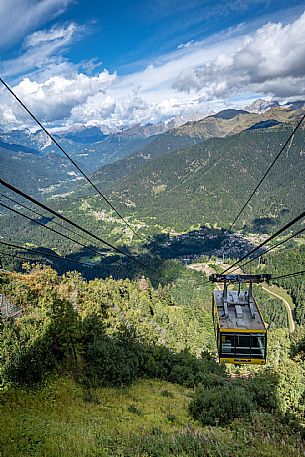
118	368
162	144
234	122
207	183
37	173
202	185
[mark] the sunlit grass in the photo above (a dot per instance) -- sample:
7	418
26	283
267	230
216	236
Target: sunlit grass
64	419
148	419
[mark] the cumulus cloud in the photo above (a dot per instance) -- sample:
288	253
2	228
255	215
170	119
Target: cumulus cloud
19	17
55	98
272	62
102	108
131	109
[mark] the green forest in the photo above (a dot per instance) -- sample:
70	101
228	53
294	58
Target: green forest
121	368
282	262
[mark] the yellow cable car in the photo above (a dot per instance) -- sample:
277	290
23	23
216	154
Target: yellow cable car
240	331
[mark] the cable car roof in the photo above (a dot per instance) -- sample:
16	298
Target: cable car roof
240	314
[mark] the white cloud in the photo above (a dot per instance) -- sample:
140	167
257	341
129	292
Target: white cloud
132	109
55	34
57	92
227	70
185	45
53	99
271	62
42	50
19	17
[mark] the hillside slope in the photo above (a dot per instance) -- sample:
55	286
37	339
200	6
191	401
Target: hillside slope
220	125
207	183
38	174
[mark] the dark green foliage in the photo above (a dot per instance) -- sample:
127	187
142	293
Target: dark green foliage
220	405
32	348
109	362
134	409
111	333
273	309
194	182
291	260
262	388
24	360
286	260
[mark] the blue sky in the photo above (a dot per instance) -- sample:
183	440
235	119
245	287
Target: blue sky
123	62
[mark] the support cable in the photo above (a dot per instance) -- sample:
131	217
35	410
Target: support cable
25	259
288	225
74	224
44	254
42	216
290	274
65	236
263	243
270	249
71	160
268	170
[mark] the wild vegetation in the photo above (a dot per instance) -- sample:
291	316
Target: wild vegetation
78	345
125	365
285	261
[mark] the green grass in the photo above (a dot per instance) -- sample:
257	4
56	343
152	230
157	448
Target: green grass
148	419
63	419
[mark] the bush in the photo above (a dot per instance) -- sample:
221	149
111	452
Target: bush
263	389
25	357
220	405
33	346
110	362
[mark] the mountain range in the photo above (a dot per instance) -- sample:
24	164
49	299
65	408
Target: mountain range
198	174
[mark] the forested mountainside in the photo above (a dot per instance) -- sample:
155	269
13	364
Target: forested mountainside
38	174
34	163
208	183
181	190
137	365
90	148
162	144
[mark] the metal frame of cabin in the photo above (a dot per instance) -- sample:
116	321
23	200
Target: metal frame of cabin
240	331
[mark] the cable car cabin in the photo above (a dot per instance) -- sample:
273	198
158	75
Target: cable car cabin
239	328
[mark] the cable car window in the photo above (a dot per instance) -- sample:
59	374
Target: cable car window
258	346
227	344
243	345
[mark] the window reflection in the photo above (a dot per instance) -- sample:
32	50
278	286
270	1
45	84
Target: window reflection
244	345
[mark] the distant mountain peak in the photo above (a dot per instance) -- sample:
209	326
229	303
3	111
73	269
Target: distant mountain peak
229	113
262	105
295	105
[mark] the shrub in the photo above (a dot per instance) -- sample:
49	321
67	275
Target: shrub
220	405
263	389
109	362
